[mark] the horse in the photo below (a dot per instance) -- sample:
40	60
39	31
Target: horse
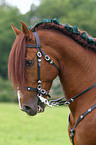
48	49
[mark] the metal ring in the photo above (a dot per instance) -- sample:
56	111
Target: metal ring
39	54
43	91
47	57
51	61
39	87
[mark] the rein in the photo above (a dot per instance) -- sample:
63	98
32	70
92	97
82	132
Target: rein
58	102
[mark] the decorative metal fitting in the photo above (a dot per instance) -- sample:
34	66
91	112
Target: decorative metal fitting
28	89
39	81
81	116
72	99
45	101
39	87
51	61
47	57
71	134
39	54
67	102
39	60
43	91
89	110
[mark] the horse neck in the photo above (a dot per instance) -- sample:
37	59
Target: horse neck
77	66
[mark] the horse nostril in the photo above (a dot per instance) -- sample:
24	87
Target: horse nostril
27	108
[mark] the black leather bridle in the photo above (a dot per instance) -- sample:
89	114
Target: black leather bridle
40	52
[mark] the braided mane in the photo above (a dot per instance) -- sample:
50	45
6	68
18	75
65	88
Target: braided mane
79	36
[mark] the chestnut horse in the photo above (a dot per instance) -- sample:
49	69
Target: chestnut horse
45	50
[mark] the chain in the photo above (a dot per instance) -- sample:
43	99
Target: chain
53	103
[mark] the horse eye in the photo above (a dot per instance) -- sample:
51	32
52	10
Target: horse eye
29	63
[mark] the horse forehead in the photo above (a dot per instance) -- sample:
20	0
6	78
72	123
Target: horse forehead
31	53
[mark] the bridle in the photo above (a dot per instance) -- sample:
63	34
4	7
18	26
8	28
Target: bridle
41	91
40	52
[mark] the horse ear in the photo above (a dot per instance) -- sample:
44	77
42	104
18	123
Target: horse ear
25	30
17	31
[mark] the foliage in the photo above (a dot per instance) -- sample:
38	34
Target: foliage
82	13
56	90
7	93
8	15
17	128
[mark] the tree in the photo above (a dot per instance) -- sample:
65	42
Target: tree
79	12
8	15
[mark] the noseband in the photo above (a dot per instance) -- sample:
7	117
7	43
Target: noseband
40	52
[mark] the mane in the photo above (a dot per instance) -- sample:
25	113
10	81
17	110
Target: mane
79	36
17	56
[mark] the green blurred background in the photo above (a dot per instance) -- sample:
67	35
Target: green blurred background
79	12
51	126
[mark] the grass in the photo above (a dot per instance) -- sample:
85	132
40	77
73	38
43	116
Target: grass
48	128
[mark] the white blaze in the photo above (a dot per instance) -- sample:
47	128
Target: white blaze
19	97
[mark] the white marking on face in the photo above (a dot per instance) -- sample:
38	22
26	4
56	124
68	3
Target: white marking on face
19	97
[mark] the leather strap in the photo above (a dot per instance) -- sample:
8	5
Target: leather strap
72	131
72	99
32	46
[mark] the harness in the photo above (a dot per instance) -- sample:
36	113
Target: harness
60	101
72	131
40	52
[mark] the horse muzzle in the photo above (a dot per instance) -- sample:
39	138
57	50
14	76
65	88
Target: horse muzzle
32	111
31	107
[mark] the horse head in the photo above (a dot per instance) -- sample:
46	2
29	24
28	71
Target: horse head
30	71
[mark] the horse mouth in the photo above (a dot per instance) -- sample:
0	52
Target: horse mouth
41	107
31	112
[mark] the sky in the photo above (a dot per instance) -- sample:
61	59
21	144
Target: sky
23	5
